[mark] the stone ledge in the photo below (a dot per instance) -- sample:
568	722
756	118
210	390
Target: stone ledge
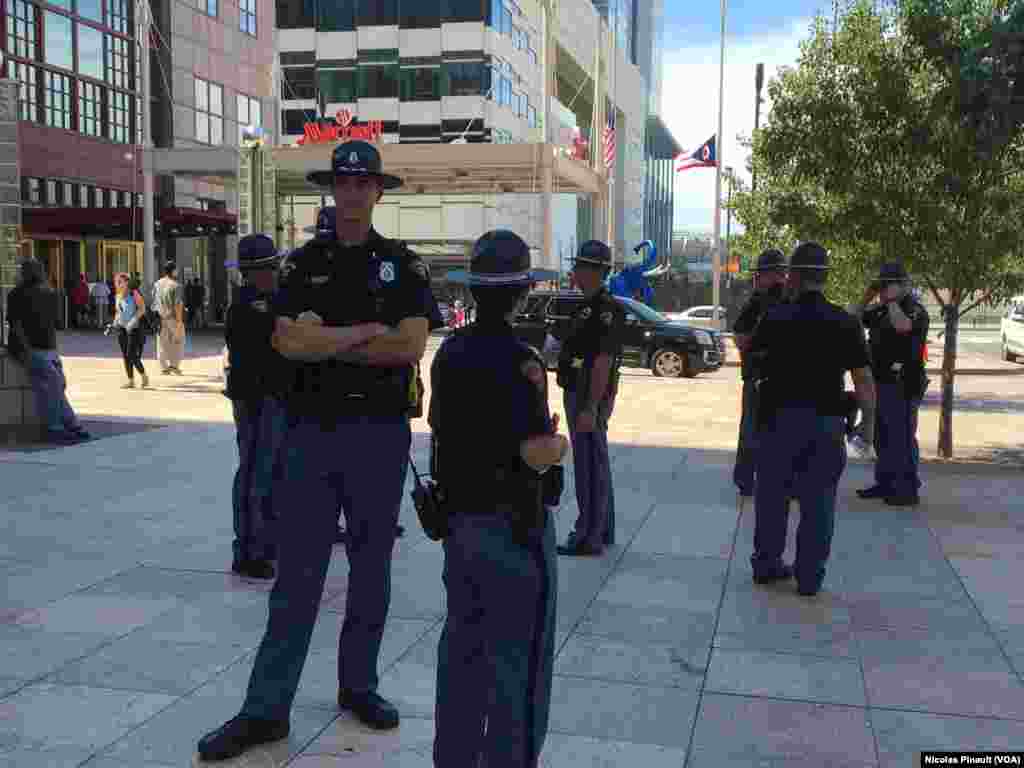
18	417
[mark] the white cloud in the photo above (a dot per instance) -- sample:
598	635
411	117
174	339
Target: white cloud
690	107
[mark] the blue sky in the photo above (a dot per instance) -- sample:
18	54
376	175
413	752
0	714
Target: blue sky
756	31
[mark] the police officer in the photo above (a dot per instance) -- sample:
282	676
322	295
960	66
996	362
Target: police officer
769	283
588	372
354	314
496	652
258	418
802	350
898	332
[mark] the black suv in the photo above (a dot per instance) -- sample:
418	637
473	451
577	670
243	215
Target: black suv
650	340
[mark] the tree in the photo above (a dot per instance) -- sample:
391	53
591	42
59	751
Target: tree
874	149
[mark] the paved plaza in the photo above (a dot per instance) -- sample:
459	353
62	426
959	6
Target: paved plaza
125	637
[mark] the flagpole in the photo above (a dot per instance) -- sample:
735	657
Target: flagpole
613	109
719	146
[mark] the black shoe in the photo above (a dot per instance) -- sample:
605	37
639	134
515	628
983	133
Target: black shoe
874	492
807	591
770	576
578	550
254	569
239	734
371	709
903	501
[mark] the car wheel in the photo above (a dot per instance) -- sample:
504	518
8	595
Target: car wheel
670	363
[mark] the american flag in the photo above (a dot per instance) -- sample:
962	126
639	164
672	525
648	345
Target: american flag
609	141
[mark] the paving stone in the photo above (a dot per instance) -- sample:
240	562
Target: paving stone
629	623
140	663
641	664
108	615
50	758
9	685
742	732
411	687
660	582
88	718
32	653
786	676
686	530
237	621
838	640
562	751
171	736
749	607
888	610
411	744
621	712
901	736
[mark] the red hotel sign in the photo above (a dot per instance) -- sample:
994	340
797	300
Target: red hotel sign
342	130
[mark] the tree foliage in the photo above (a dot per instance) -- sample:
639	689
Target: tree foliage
880	147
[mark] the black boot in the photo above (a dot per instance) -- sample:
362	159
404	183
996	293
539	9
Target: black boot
371	709
781	572
239	734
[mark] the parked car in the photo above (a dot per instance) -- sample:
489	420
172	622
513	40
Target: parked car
700	317
1011	330
651	340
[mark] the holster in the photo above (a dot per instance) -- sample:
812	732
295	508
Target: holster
552	485
428	499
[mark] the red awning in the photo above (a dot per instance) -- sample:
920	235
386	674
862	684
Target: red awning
118	222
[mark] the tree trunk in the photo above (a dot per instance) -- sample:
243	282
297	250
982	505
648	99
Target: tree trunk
945	447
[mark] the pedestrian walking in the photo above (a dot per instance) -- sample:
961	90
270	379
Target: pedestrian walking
769	283
131	337
169	302
801	352
898	335
588	372
32	312
101	296
259	418
353	314
496	652
79	302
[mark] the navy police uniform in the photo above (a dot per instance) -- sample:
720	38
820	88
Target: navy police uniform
802	425
259	420
346	446
898	365
750	316
594	329
496	652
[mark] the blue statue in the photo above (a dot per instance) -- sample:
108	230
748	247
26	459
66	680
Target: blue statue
633	282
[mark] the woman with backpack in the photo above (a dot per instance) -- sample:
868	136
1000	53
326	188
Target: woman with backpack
131	309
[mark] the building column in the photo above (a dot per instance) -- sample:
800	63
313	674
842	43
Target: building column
10	195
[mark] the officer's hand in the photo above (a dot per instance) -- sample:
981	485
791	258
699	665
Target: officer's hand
554	423
586	421
288	339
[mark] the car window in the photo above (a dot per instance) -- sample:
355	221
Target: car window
703	314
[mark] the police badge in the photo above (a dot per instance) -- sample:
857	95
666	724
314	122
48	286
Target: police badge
387	272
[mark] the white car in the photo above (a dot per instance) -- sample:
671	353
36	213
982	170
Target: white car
700	317
1011	330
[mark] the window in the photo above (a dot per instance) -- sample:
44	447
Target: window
337	16
90	51
21	28
51	191
247	16
533	57
296	14
118	116
118	15
57	40
378	81
209	112
297	83
57	100
421	14
421	84
28	91
337	85
249	113
212	7
379	13
464	78
531	116
32	190
117	62
90	9
292	121
465	10
506	21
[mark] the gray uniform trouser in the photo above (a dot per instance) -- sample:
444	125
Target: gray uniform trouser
743	475
496	654
595	496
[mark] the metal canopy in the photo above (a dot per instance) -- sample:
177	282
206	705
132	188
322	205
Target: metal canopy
449	169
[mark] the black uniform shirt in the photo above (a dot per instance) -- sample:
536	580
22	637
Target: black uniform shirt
378	281
755	308
35	307
488	394
889	348
247	331
594	329
804	350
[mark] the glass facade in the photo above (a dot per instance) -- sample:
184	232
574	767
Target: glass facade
420	83
337	85
660	150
